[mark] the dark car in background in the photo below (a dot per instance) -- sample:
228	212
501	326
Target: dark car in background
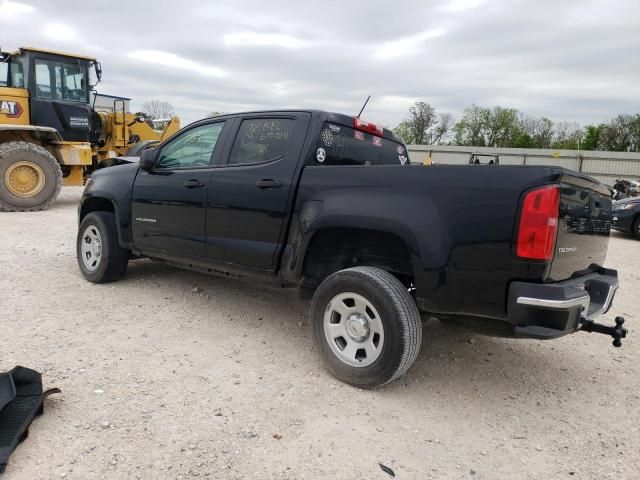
626	216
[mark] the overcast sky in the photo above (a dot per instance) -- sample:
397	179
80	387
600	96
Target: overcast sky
569	60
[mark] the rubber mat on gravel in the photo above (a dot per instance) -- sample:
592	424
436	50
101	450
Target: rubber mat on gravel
21	399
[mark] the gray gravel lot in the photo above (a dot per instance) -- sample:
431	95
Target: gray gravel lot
174	374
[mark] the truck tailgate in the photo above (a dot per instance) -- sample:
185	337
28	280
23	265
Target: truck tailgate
584	224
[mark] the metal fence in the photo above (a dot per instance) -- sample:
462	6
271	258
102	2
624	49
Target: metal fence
604	166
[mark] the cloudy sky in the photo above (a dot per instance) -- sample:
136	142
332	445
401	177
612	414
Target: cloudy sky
567	59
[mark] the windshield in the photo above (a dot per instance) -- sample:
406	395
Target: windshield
340	145
61	81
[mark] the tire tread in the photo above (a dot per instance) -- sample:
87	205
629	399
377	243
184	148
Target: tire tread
409	315
6	147
406	313
116	257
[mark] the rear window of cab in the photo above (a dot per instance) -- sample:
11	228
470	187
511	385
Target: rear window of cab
340	145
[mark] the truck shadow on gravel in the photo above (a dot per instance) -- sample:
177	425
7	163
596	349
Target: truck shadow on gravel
450	357
624	237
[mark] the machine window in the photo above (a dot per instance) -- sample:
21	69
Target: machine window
17	75
74	86
4	74
43	80
192	149
57	69
261	140
61	81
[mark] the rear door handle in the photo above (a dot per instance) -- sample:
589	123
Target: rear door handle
268	183
193	183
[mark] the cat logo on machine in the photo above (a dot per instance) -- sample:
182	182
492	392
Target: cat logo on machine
10	109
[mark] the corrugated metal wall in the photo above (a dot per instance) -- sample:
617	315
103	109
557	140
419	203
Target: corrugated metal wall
605	166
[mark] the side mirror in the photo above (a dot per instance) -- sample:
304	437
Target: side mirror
147	159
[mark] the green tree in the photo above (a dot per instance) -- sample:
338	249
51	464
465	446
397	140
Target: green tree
620	134
634	128
424	126
523	140
488	127
591	138
568	136
404	132
469	130
422	119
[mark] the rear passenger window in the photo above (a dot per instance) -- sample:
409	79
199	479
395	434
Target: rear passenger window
261	140
341	145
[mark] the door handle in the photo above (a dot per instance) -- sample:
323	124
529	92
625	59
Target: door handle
268	183
193	183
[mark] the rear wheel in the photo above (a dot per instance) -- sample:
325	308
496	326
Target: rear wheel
30	177
366	326
100	257
636	228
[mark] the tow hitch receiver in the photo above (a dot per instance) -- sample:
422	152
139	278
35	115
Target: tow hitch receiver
618	332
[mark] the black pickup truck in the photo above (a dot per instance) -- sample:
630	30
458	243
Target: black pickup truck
328	203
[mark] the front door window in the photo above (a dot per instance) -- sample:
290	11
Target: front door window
191	149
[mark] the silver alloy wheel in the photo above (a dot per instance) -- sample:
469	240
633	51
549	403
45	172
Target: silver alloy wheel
91	248
353	328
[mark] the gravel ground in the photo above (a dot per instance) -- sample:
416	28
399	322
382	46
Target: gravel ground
174	374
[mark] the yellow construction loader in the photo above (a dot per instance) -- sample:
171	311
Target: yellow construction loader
51	134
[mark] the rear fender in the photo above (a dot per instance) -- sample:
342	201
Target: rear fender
421	229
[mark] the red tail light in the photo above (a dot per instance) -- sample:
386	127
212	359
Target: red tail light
539	223
367	127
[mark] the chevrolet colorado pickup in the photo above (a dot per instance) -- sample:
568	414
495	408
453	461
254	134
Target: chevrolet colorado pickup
328	203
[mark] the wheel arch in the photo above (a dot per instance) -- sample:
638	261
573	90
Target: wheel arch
635	224
336	247
29	133
91	204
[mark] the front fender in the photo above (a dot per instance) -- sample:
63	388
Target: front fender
113	185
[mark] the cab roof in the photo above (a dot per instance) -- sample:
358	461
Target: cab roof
22	50
333	117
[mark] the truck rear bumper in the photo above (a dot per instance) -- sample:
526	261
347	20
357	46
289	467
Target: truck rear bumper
546	311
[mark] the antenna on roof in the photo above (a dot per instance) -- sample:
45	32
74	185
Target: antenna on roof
365	104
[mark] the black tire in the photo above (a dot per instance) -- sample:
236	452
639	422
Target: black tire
13	152
112	261
398	314
636	228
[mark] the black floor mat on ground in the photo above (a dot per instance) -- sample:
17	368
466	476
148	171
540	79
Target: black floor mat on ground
21	399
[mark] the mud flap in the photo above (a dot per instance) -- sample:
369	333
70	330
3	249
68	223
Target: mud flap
21	399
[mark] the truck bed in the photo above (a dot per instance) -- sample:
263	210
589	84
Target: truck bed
460	224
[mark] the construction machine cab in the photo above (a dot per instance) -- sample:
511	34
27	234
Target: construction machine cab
58	88
51	134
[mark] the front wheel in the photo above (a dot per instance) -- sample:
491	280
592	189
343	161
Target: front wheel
100	257
636	228
366	326
30	177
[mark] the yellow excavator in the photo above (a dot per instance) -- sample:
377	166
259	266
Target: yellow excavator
51	134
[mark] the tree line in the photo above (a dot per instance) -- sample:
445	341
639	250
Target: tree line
507	127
